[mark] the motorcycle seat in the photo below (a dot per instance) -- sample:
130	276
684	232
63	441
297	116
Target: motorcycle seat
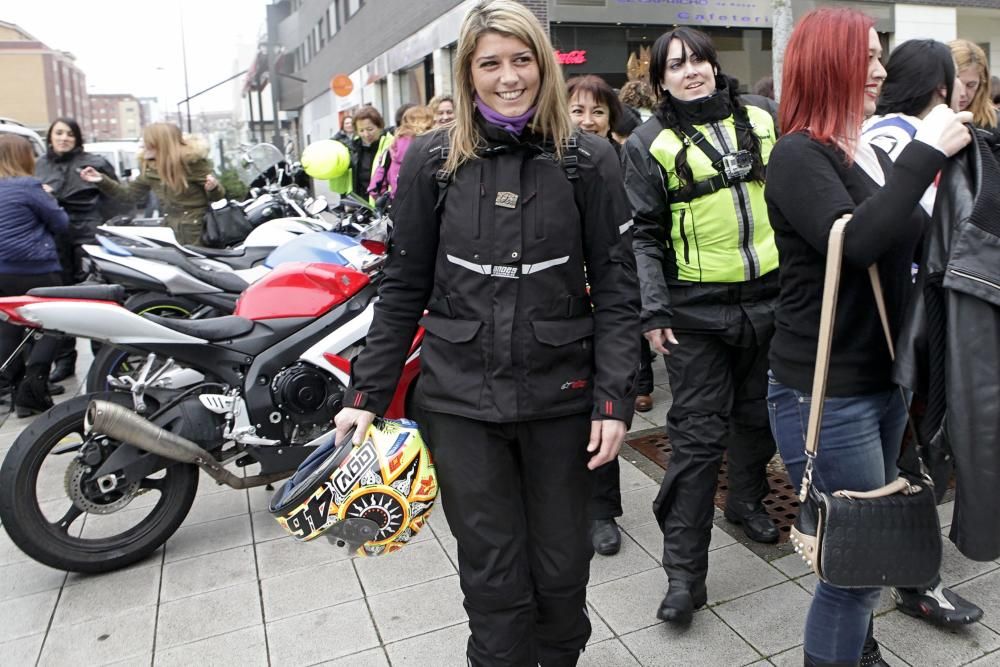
90	292
217	252
211	329
249	259
225	281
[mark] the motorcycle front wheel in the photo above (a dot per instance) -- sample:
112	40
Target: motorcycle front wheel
56	515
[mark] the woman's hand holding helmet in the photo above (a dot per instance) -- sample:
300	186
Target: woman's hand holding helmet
211	182
352	417
944	129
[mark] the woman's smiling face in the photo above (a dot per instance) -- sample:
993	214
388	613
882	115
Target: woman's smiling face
505	74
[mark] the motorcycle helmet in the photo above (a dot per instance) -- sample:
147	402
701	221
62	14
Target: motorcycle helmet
372	498
326	159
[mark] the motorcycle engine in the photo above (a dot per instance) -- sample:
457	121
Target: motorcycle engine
306	395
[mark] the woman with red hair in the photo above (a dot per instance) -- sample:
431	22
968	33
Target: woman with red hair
819	171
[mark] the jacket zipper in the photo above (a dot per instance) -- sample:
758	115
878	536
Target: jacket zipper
684	238
976	277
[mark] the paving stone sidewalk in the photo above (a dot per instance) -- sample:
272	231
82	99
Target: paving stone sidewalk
230	589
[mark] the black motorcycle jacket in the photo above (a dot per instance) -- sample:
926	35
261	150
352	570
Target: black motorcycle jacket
949	347
82	201
503	268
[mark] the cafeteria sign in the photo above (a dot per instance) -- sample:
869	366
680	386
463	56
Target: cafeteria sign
735	13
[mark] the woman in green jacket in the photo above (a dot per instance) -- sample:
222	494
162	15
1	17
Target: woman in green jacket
178	172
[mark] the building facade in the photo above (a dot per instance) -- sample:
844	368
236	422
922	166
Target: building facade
395	51
117	116
41	83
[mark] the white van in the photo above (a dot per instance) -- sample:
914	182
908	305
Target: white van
123	156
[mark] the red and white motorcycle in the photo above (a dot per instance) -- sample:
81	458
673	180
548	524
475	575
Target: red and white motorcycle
103	479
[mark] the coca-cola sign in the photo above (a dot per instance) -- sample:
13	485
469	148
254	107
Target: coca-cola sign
577	57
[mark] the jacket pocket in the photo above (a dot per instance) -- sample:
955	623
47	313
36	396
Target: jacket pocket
560	362
563	332
453	331
452	363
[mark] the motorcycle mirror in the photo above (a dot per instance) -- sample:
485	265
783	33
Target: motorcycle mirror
317	206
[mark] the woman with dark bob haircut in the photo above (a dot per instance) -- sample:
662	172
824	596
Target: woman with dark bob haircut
595	109
819	171
708	274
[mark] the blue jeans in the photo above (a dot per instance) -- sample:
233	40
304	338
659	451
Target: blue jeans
860	438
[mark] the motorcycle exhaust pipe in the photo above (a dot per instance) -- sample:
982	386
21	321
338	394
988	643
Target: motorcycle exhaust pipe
120	423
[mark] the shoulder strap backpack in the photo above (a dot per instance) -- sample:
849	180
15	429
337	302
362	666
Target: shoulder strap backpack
570	163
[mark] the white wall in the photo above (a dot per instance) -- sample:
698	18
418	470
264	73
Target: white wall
923	22
982	26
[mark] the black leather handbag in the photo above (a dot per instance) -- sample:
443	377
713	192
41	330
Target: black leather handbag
884	537
225	226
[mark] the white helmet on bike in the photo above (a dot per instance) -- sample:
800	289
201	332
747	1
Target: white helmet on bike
373	497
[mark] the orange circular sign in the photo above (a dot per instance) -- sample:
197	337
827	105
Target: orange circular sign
341	85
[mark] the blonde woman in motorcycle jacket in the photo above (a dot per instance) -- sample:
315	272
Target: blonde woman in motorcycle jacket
526	378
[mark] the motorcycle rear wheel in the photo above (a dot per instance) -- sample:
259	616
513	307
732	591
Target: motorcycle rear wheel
76	540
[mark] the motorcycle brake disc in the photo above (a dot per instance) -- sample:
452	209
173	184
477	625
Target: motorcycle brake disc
109	503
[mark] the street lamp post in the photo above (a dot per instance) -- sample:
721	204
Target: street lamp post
187	92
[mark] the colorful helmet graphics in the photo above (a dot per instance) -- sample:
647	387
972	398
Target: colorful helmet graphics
374	497
326	159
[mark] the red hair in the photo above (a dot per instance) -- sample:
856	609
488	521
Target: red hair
825	72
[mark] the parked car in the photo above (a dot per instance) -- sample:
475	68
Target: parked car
11	126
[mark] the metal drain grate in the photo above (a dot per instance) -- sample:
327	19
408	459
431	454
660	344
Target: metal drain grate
781	503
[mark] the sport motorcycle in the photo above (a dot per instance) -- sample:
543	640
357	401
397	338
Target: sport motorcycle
104	479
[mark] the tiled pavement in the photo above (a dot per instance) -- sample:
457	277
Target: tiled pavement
230	589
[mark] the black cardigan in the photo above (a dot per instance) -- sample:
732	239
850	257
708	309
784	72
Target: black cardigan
809	186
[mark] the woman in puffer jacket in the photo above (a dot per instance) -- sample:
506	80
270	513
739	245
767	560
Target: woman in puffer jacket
179	173
30	219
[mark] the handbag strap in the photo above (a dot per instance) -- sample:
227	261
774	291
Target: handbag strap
828	310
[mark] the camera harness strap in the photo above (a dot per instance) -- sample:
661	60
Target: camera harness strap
719	181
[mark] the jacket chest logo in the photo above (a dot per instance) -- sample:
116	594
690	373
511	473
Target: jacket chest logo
506	200
505	271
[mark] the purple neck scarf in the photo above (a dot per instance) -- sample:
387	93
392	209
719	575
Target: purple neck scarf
515	125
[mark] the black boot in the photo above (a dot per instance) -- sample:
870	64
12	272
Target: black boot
871	656
681	600
32	395
605	536
810	662
757	525
63	367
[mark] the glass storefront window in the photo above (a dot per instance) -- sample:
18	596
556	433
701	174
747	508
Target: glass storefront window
744	53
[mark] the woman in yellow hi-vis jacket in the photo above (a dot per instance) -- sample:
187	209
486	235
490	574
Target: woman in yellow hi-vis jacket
707	264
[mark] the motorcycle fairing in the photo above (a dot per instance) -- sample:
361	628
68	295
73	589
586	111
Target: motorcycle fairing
104	321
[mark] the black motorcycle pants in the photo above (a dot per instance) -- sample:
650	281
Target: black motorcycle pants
514	495
718	379
41	351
